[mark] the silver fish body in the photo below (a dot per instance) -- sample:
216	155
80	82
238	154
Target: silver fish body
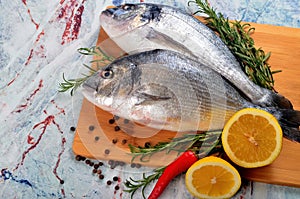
140	27
166	90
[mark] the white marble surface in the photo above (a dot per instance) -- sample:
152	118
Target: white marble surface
38	42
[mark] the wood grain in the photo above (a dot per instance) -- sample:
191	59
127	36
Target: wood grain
283	42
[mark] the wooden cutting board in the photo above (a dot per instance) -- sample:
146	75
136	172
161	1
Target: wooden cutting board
96	137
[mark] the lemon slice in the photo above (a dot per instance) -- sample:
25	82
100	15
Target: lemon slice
212	177
252	138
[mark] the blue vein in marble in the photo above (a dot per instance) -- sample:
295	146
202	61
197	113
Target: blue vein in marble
6	175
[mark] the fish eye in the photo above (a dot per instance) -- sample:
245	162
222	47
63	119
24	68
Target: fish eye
107	74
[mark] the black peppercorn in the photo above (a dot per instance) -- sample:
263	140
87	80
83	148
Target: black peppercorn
138	165
115	178
111	162
101	177
61	181
117	128
91	128
124	141
97	138
108	182
72	128
107	151
114	141
78	157
87	161
147	144
111	121
117	187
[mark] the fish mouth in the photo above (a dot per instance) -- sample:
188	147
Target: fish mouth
115	24
89	91
91	84
91	94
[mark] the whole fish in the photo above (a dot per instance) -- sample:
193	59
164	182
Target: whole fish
141	27
167	90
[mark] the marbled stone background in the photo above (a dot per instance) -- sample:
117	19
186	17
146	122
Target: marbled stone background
38	42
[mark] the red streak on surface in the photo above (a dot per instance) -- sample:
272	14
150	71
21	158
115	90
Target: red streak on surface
29	13
71	12
32	52
44	124
29	57
21	107
59	108
30	139
12	81
77	23
36	52
58	127
39	36
63	192
63	141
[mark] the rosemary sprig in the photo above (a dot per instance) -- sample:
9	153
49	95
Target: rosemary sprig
73	84
134	185
199	142
237	37
100	60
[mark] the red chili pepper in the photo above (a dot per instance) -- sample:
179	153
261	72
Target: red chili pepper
181	164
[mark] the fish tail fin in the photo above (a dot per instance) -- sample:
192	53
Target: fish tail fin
280	101
290	122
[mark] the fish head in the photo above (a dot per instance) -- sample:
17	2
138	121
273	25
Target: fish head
109	87
128	17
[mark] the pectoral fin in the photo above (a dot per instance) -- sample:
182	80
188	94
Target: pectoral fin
152	93
170	44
